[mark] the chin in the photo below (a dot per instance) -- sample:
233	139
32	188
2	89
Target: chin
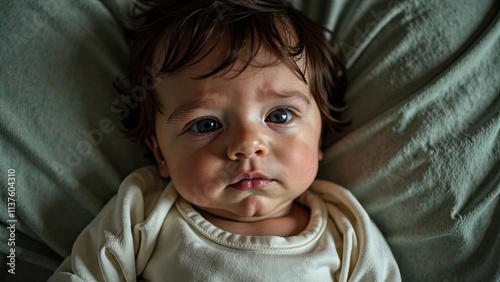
256	208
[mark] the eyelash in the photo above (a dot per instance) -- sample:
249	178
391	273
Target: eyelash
285	108
188	127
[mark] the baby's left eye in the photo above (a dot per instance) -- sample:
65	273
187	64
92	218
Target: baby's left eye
281	115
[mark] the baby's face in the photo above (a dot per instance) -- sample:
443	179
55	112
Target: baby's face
242	148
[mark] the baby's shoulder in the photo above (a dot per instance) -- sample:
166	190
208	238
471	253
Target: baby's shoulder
146	179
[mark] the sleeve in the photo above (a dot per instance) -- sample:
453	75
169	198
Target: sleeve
115	246
365	254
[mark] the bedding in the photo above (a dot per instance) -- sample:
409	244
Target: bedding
422	154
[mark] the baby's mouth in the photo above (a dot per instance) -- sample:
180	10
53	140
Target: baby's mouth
252	184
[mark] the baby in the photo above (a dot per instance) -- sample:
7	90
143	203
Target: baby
240	96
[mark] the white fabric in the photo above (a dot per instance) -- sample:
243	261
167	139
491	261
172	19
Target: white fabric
147	232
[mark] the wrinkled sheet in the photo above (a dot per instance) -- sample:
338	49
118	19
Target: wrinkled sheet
422	154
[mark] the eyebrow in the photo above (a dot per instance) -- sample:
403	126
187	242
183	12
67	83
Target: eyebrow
185	109
293	94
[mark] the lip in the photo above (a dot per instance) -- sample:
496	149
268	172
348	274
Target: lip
251	181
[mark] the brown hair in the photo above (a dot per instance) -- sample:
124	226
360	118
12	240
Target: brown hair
186	28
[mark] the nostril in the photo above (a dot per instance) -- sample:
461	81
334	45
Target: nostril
241	155
260	153
247	144
246	154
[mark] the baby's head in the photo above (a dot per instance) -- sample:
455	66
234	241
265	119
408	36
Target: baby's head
240	94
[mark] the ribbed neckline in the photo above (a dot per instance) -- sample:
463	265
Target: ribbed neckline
315	228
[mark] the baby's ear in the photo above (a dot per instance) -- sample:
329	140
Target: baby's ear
160	159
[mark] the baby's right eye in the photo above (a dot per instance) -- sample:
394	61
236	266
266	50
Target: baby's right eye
205	125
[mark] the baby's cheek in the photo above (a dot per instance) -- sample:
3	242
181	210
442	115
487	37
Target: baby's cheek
189	164
302	160
185	173
195	179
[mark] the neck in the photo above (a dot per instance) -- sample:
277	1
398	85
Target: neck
287	225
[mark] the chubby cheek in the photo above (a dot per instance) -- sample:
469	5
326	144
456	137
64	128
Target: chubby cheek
196	176
301	162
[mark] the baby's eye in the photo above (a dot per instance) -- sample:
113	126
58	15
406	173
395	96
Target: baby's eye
282	115
205	125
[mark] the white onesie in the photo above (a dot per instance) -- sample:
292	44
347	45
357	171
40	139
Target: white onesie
148	232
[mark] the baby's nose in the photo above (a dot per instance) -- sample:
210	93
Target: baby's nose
247	143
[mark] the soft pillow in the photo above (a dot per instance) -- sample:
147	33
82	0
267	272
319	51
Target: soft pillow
422	155
59	132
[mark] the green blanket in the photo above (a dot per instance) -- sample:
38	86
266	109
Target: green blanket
422	154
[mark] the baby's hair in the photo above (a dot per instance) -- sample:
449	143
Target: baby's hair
190	30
